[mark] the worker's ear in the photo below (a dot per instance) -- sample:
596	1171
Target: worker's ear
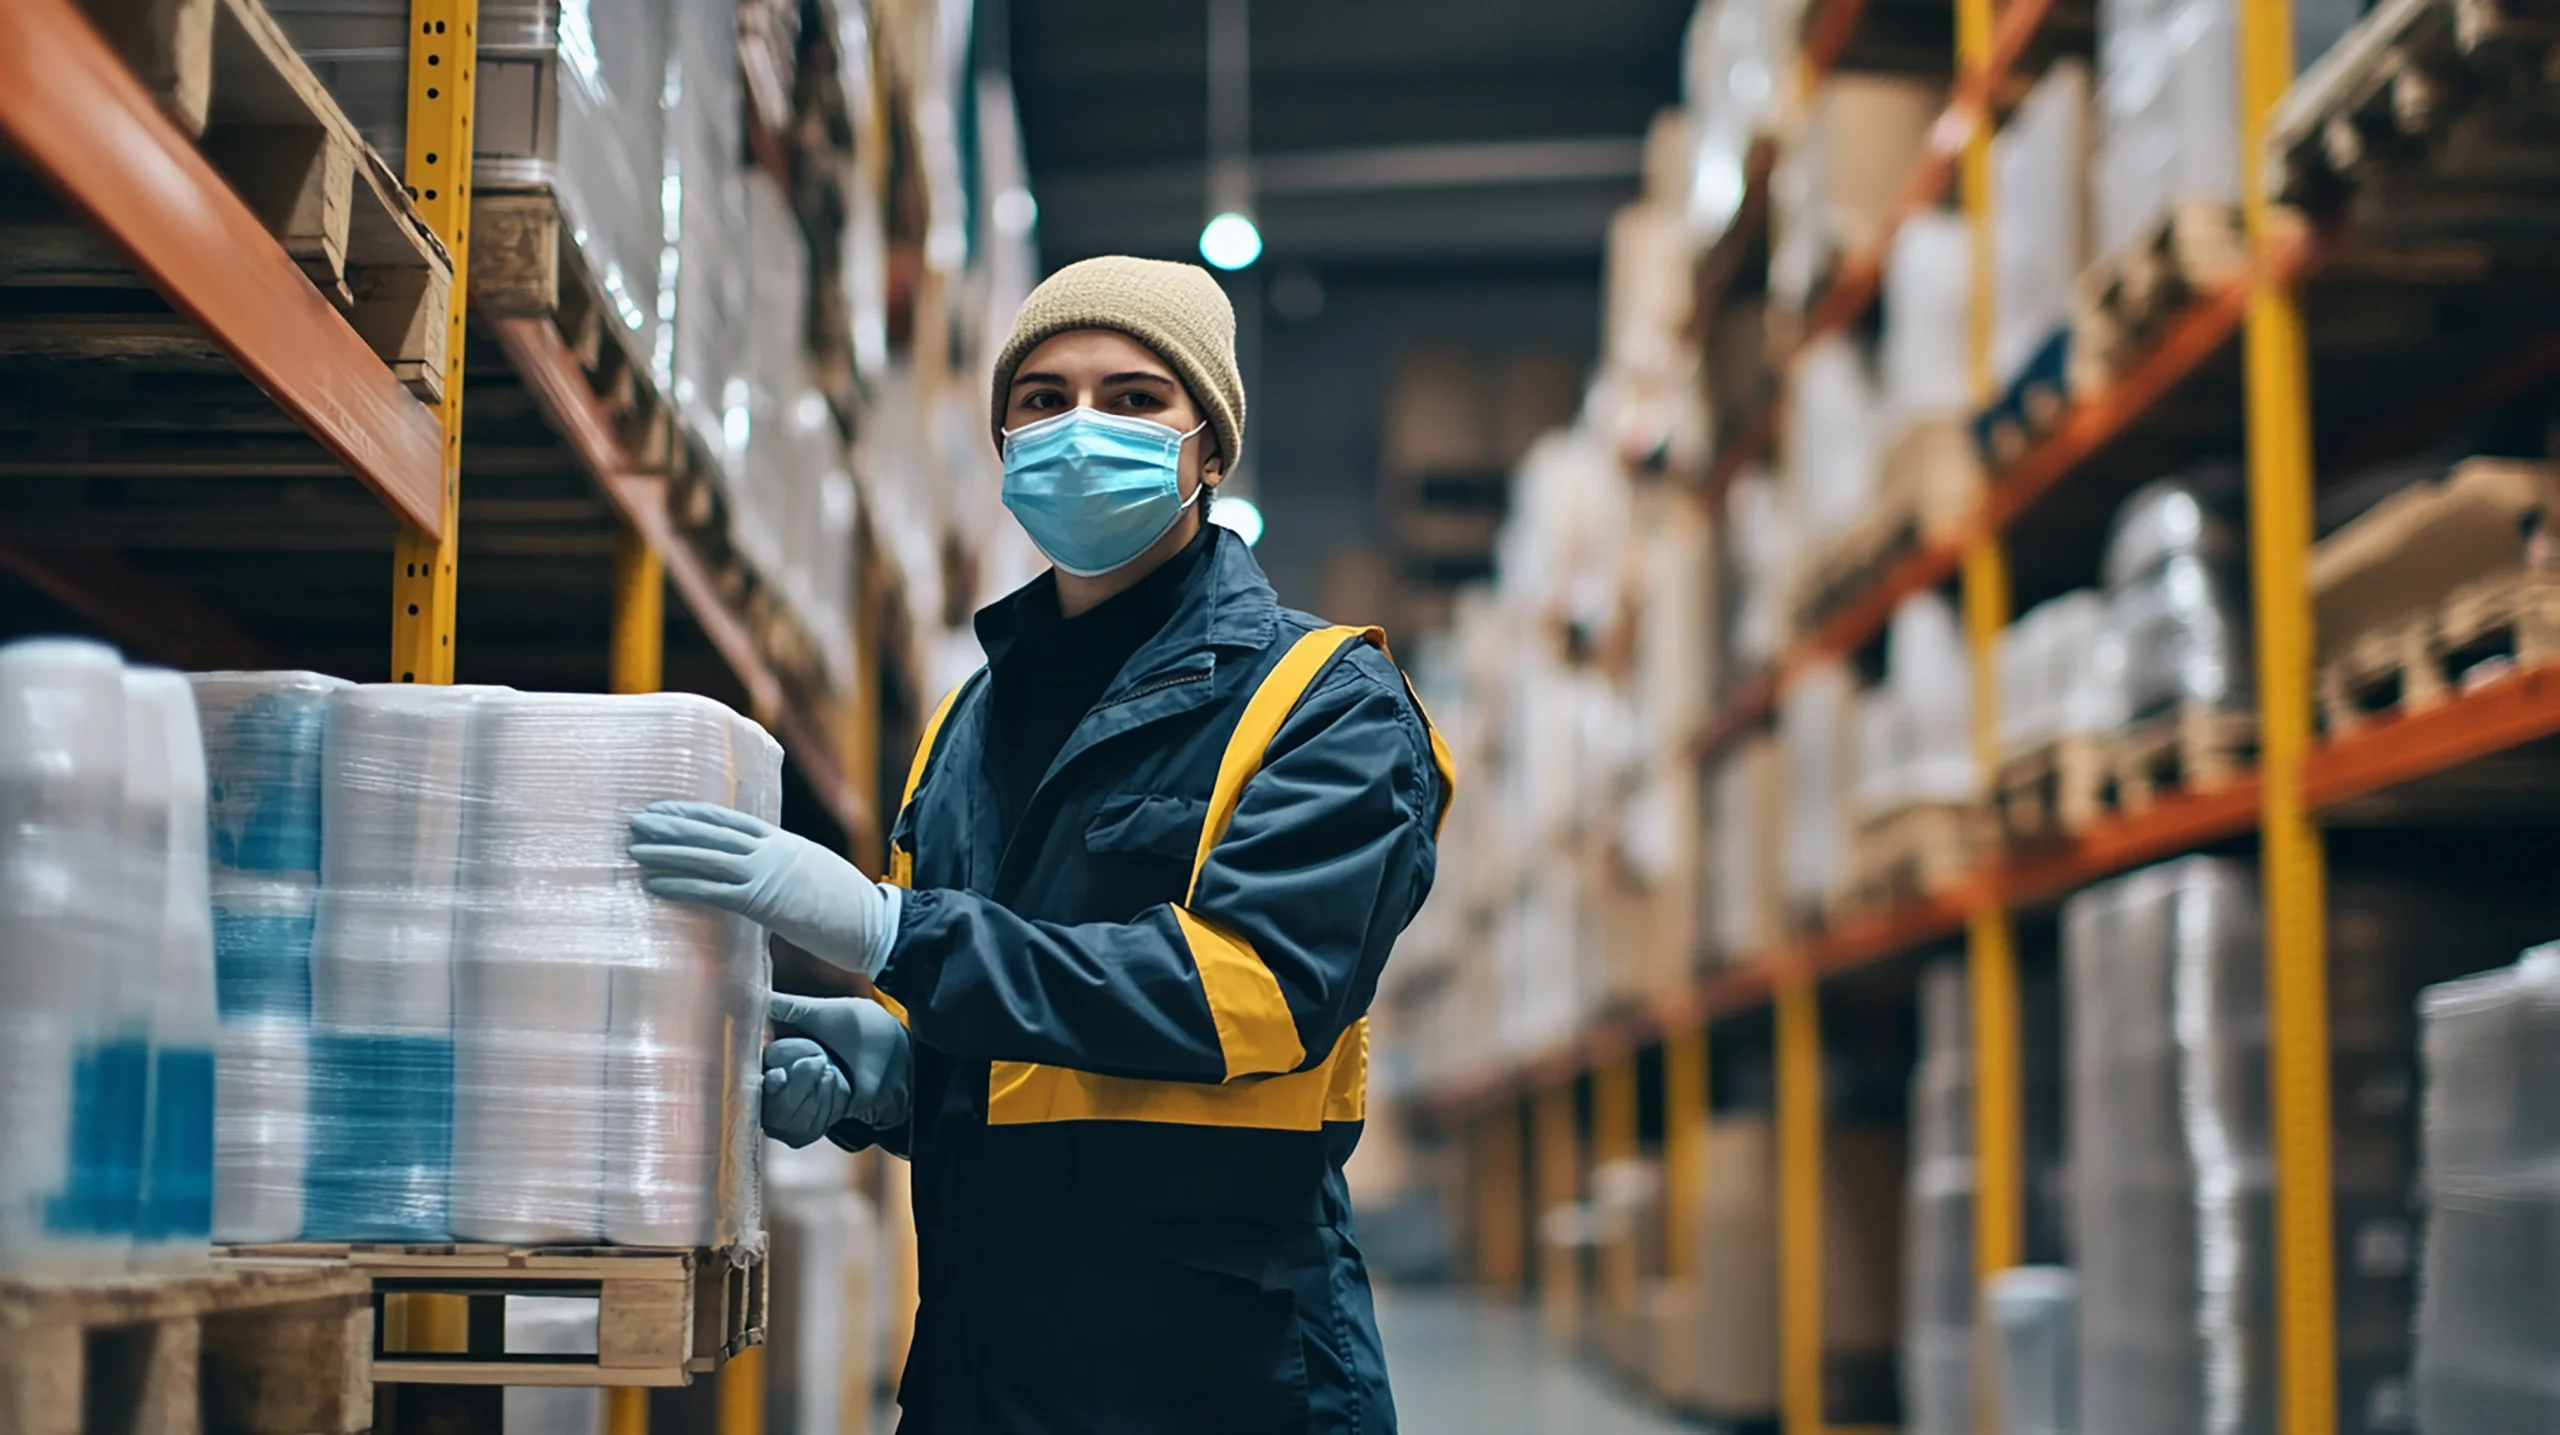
1213	469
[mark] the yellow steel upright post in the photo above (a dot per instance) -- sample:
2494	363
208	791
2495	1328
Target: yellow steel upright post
2277	375
1501	1201
444	50
1613	1140
1799	1060
638	663
1684	1148
1556	1147
443	53
1991	954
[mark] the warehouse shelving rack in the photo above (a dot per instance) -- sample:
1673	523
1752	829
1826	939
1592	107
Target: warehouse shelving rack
292	369
260	398
2264	401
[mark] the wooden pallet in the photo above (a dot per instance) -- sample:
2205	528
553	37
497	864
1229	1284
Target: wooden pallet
228	75
663	1315
2193	748
1927	488
2056	790
256	1347
1914	851
2120	303
2430	115
2508	620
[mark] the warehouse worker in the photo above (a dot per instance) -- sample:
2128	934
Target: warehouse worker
1154	855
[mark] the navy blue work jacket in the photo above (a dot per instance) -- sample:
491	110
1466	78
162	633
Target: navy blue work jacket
1140	1039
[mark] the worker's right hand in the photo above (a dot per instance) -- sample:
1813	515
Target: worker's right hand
805	1093
737	862
870	1052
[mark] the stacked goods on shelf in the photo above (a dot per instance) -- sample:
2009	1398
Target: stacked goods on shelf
1817	737
615	133
106	970
1843	160
1742	890
1735	64
1938	1196
2413	597
493	1003
2177	596
2172	1202
2035	1315
1652	402
2041	241
2487	1342
1915	793
2061	673
821	1359
2165	179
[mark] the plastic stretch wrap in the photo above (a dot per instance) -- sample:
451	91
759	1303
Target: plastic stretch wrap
825	1259
2488	1330
2177	594
1932	683
2035	1314
174	1219
2167	1034
262	748
567	98
512	1041
2040	215
2169	111
1928	305
62	936
2061	673
1938	1284
1831	439
1814	721
703	191
106	966
381	1081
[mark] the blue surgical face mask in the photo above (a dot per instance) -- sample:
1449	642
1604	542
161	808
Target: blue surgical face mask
1094	490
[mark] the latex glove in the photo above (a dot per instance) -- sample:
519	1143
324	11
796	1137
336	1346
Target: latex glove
703	852
804	1092
870	1050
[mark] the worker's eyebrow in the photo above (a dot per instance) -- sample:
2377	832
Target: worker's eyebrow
1020	379
1157	380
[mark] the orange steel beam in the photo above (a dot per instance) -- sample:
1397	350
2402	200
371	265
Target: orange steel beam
2504	713
74	111
1751	706
142	613
551	374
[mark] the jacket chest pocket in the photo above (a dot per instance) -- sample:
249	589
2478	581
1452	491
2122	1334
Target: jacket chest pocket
1141	848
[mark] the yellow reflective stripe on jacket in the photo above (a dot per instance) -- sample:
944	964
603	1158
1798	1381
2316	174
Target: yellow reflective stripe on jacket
902	863
1255	1030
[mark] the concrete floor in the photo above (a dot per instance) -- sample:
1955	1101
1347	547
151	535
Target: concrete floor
1462	1365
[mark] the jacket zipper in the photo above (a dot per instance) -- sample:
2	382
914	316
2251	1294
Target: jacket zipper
1153	688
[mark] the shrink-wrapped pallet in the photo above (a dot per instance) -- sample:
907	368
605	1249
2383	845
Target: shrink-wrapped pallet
1938	1215
1921	368
173	1219
1815	734
2168	112
2177	593
2488	1331
2040	215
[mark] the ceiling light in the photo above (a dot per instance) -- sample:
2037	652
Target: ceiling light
1230	241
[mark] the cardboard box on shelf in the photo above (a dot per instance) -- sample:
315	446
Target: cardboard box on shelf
1440	414
1745	901
1649	272
1840	176
1719	1342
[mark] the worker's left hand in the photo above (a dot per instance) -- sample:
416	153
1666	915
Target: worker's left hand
804	1092
703	852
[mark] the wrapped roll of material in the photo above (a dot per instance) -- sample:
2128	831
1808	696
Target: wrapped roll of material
175	1213
392	771
592	1018
261	1128
62	752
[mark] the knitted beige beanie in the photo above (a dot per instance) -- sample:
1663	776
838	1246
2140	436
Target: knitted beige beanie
1175	309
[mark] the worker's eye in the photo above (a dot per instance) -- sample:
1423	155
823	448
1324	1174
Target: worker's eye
1042	400
1139	400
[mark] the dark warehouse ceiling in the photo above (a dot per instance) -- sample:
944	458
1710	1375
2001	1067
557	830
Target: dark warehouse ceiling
1383	130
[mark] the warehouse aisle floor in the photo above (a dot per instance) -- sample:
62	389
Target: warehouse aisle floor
1464	1365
